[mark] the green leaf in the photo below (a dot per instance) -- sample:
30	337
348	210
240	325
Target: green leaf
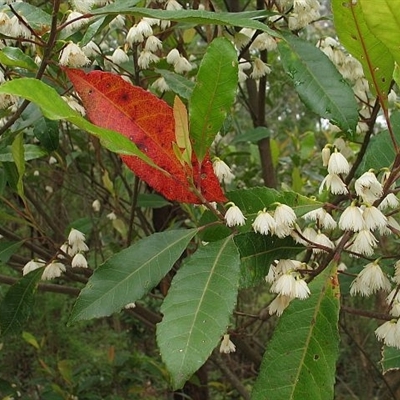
257	253
129	274
318	83
177	83
300	359
212	99
244	19
197	308
357	38
30	152
7	249
55	108
29	338
382	22
253	135
15	57
17	151
34	16
47	132
390	359
380	152
18	302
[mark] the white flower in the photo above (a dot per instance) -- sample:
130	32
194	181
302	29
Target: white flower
130	306
53	270
309	233
134	36
264	223
31	266
74	104
368	187
182	65
333	183
173	56
222	171
338	164
226	345
52	160
111	216
352	219
153	43
302	290
160	85
173	5
284	215
322	217
390	201
322	240
79	261
393	300
76	241
325	154
278	305
285	285
119	57
364	243
389	333
234	217
260	69
96	205
374	219
145	28
392	97
146	58
264	41
77	22
73	56
370	280
283	230
91	49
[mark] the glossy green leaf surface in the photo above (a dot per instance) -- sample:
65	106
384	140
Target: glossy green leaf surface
47	132
17	152
390	359
212	99
247	19
257	252
318	83
380	152
129	274
31	152
383	20
180	85
7	249
55	108
300	360
357	38
197	308
15	57
18	302
35	16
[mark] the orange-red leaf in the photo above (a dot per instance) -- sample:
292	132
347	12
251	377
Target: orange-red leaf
148	121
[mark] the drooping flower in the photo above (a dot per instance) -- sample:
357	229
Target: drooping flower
76	241
234	216
79	261
389	333
53	270
227	346
374	219
264	223
31	266
284	215
338	164
222	171
73	56
334	184
370	280
322	240
352	219
364	243
279	304
368	187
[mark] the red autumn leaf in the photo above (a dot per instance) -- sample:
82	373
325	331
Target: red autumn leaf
148	121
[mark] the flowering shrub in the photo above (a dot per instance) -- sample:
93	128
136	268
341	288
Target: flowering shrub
300	226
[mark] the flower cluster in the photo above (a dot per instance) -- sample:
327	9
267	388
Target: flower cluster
74	247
